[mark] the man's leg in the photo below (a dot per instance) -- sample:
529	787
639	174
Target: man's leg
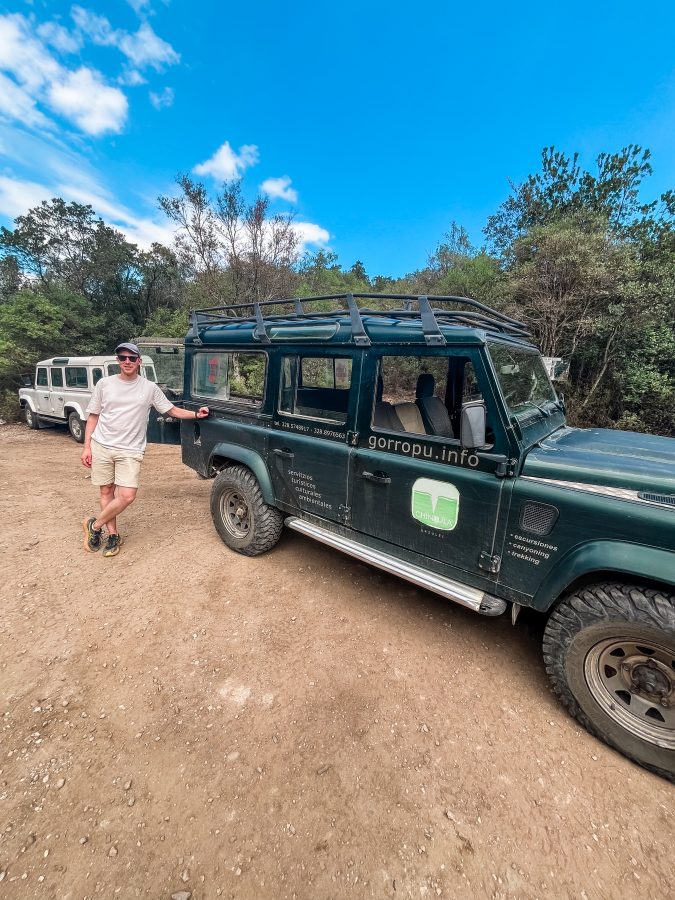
124	497
107	496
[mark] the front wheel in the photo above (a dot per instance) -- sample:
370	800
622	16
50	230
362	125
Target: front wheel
30	417
242	518
609	651
76	427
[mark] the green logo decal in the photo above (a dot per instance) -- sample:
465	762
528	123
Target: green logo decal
435	503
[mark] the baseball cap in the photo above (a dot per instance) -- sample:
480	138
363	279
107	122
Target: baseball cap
132	348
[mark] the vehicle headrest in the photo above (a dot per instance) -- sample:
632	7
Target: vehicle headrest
425	385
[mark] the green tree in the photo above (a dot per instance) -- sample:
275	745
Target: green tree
233	250
563	189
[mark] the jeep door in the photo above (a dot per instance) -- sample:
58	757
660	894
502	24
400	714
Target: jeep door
56	393
314	413
413	484
42	400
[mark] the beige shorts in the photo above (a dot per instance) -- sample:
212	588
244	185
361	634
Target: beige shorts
120	467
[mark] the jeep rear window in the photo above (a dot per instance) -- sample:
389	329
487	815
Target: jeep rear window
76	376
56	376
234	377
522	378
316	387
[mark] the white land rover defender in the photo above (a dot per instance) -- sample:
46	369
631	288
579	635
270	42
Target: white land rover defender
60	390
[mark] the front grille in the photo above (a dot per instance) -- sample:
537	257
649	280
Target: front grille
667	499
538	518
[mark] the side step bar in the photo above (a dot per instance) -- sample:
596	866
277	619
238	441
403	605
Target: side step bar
472	598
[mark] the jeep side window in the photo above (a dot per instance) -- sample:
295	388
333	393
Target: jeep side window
41	380
315	386
236	377
96	375
424	394
411	393
56	376
76	376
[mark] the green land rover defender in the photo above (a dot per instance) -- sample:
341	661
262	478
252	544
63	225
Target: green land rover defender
427	440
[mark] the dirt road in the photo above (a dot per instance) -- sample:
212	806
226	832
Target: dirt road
184	719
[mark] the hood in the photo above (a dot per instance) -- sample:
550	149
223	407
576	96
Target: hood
622	459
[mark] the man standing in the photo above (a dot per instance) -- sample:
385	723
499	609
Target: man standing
114	442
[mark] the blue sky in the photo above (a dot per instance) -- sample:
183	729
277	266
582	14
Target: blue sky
377	123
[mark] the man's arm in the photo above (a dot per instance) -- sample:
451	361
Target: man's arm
92	422
179	413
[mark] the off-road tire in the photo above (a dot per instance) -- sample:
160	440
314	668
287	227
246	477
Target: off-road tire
603	640
76	427
236	490
31	417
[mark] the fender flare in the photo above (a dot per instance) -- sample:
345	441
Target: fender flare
73	406
631	561
251	460
28	401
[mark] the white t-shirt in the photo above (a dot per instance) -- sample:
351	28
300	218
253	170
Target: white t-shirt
123	407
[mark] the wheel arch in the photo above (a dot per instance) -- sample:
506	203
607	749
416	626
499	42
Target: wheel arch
599	561
225	454
71	407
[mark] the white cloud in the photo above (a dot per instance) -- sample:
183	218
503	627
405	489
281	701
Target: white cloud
85	99
131	78
162	100
309	233
143	48
23	56
140	6
59	37
82	96
226	165
17	197
280	188
97	28
16	103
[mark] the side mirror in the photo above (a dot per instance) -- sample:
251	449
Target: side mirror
26	380
472	425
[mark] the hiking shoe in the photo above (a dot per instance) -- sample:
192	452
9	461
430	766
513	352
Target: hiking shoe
92	536
112	547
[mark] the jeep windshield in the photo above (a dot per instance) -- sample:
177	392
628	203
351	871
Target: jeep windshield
522	377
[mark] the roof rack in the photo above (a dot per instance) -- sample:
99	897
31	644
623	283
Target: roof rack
415	306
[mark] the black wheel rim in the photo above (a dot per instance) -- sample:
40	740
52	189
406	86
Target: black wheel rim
634	683
235	514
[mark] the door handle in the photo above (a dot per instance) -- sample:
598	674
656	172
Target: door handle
382	478
285	454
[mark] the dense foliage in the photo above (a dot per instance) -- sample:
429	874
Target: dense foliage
575	254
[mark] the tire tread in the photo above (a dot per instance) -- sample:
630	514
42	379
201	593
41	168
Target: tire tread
609	602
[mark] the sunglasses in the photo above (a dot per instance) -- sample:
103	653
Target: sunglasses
123	358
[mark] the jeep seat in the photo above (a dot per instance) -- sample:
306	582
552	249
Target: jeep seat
384	415
433	410
411	418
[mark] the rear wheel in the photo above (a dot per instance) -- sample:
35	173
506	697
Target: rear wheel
609	651
76	427
30	417
242	518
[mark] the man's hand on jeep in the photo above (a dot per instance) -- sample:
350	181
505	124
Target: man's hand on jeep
86	457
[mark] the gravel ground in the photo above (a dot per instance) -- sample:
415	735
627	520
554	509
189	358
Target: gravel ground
184	721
